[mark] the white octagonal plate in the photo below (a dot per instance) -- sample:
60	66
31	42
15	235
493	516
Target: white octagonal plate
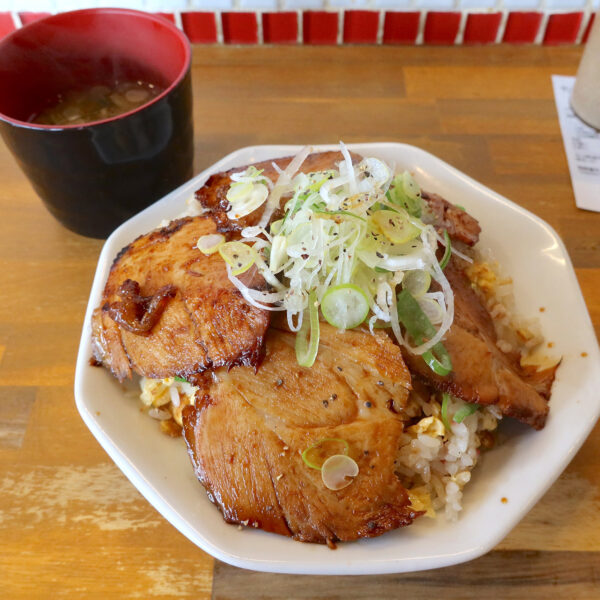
520	470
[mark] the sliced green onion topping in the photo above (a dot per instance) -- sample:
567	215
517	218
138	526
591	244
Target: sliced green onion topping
307	339
447	250
238	191
419	327
405	192
466	411
438	360
352	234
338	471
238	255
318	453
395	226
345	306
209	244
444	415
413	318
180	379
432	309
275	227
417	282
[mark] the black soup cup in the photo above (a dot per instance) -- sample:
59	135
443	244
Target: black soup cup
94	176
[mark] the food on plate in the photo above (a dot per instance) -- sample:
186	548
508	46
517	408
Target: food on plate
247	434
328	340
168	310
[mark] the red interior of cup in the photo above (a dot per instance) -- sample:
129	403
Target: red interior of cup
84	48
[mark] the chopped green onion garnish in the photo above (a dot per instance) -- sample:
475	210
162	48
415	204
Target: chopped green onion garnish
307	339
181	379
466	411
419	327
447	250
395	226
352	234
438	359
445	400
238	255
210	243
405	192
345	306
338	471
318	453
413	318
461	207
417	282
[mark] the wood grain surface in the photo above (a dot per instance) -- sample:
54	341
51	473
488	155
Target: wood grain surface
71	525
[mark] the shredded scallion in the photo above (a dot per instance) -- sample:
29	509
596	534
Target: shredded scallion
348	240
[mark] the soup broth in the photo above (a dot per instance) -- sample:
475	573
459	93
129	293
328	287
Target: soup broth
97	103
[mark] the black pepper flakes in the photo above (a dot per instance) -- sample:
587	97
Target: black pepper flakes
380	382
368	404
340	369
325	403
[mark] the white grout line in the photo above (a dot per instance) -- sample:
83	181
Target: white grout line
380	25
539	38
502	27
460	34
178	21
219	22
16	18
421	30
300	27
259	28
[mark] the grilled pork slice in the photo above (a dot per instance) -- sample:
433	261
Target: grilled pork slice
168	310
459	224
481	372
247	433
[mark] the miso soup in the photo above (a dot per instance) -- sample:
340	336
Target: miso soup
75	107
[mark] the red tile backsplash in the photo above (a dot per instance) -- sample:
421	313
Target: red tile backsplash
30	17
482	28
401	27
240	28
320	27
441	27
360	26
6	23
522	27
200	27
563	28
280	28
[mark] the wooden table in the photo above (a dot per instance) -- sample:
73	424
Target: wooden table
72	526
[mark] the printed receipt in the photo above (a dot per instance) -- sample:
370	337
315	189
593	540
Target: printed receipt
582	145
